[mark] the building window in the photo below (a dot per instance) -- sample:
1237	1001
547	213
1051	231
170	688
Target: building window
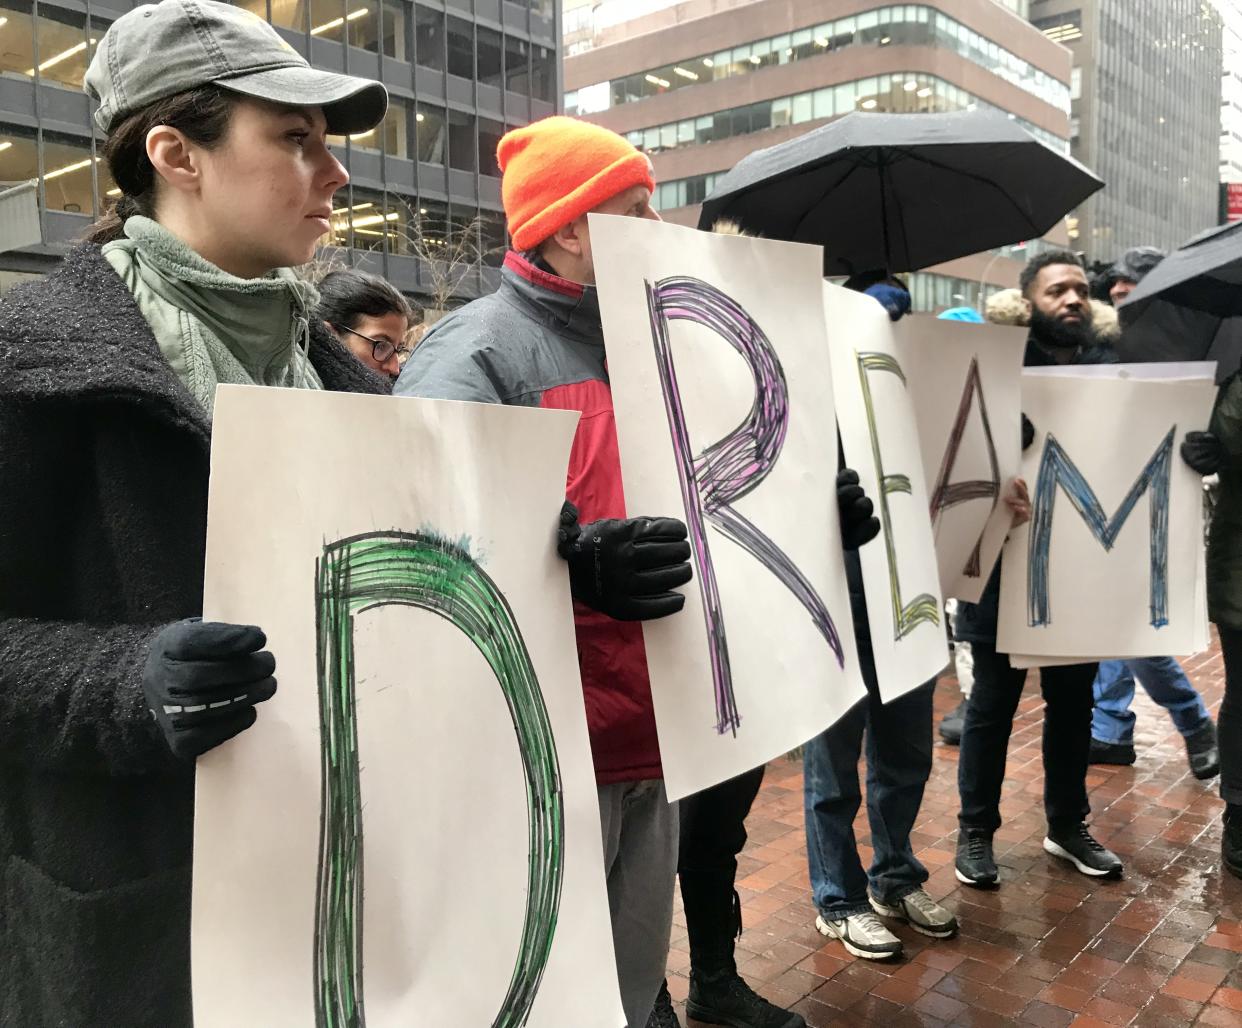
368	220
900	25
286	14
517	65
460	48
461	140
429	133
429	37
489	139
490	57
395	129
362	24
67	180
64	48
543	73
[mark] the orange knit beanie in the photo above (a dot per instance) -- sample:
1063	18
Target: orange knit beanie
557	169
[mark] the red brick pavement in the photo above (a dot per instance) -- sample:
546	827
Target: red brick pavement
1050	947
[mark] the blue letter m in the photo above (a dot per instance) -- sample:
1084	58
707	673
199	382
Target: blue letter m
1056	469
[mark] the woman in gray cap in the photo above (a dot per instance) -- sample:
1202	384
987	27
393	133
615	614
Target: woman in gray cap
109	686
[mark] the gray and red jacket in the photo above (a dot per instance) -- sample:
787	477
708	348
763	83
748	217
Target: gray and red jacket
537	342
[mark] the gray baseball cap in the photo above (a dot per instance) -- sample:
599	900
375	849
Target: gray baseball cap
159	50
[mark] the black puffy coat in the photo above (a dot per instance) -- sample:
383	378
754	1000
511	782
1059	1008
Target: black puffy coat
103	512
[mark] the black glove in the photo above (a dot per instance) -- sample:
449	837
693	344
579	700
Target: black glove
1203	452
1028	433
858	525
202	681
626	569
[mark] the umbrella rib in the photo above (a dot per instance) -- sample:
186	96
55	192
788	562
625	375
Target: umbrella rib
853	166
1031	226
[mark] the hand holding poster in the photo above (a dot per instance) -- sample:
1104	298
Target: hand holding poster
879	434
428	734
1109	564
724	408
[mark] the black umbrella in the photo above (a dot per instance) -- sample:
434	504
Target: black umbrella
902	191
1189	307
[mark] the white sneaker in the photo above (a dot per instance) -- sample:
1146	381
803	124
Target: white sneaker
920	912
863	934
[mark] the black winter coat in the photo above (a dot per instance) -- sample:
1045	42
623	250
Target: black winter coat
103	512
976	622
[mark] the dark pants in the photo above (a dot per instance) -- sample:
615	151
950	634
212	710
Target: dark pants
1068	699
713	832
1229	720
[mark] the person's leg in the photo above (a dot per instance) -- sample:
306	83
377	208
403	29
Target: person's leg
1112	721
985	737
713	832
640	860
1167	684
1229	720
1068	700
899	761
832	797
1229	727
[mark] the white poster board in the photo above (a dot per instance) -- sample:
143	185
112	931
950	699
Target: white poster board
725	419
880	436
1112	559
965	382
429	628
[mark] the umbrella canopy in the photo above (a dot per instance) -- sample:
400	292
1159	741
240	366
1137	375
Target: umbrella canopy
902	191
1189	307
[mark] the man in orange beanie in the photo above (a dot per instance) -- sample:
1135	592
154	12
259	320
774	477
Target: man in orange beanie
537	342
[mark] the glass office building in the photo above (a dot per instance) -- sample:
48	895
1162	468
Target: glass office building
1145	116
459	74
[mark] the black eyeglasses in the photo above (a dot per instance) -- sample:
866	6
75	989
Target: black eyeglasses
381	349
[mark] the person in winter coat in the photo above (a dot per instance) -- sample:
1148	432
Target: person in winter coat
109	686
1054	285
539	342
1224	584
368	315
1119	281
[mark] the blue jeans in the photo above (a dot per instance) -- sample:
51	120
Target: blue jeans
1165	682
899	760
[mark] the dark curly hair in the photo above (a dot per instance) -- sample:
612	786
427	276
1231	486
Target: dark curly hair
1036	264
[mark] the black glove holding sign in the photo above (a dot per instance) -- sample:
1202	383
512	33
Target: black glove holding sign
1203	452
202	681
858	524
627	568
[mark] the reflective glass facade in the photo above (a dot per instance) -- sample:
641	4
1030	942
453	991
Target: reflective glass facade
457	82
900	25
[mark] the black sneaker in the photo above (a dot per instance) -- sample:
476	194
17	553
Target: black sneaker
1202	752
726	999
662	1014
952	723
1121	753
1231	840
975	864
1076	845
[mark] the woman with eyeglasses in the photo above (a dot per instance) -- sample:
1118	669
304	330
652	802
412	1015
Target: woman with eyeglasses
369	316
